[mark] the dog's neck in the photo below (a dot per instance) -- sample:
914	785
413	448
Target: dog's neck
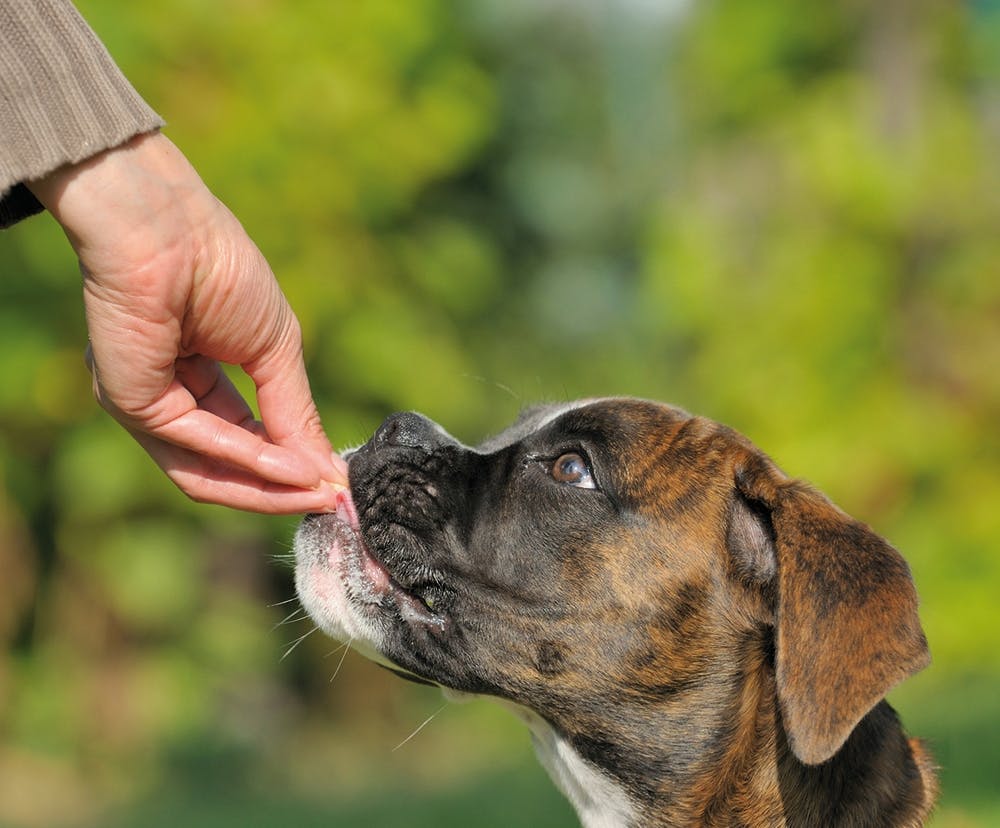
733	766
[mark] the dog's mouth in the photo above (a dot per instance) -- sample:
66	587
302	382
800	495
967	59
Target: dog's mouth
370	585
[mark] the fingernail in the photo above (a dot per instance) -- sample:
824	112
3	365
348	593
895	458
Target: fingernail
334	486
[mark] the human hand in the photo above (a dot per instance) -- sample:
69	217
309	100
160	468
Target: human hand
172	287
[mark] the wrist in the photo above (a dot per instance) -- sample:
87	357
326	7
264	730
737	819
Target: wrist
133	185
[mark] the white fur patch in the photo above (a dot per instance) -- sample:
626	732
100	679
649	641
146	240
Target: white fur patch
599	800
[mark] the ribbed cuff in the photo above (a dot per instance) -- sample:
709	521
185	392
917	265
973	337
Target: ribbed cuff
62	98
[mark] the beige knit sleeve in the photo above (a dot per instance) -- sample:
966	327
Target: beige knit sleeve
62	98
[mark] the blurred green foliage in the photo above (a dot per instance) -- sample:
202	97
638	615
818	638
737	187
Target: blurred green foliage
783	220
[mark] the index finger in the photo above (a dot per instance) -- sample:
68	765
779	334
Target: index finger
206	481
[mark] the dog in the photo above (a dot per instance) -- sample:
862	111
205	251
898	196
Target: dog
692	637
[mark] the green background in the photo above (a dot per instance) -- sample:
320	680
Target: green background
783	217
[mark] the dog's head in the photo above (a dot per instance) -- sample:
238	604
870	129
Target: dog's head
604	553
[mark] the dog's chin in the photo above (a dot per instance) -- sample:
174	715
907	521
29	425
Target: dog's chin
346	590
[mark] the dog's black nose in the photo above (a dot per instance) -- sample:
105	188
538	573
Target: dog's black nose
410	430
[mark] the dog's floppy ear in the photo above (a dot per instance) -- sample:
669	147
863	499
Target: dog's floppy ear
846	625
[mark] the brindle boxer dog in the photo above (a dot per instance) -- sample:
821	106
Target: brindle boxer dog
692	637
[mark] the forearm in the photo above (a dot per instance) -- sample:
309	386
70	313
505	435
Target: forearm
62	98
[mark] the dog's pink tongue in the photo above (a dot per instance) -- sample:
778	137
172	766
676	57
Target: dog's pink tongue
346	511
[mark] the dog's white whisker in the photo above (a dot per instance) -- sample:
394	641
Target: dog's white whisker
345	648
422	725
498	385
296	614
296	643
339	649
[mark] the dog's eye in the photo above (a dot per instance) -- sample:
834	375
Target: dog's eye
573	470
